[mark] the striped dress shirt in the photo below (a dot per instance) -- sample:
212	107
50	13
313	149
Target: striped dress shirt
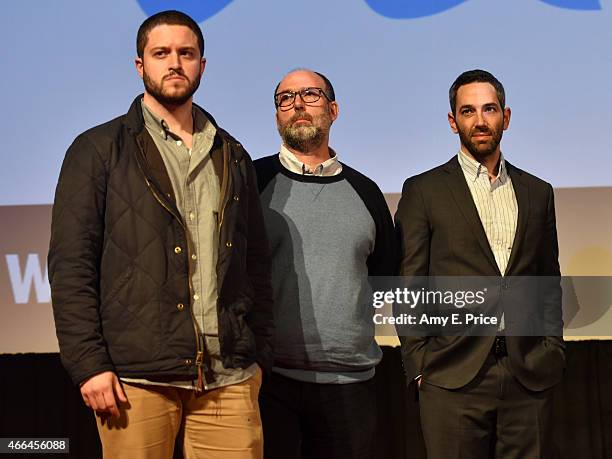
496	205
497	208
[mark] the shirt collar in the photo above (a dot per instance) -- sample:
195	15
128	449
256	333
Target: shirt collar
154	123
473	169
327	168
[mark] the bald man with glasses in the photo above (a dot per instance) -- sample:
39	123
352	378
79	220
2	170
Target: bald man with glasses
329	229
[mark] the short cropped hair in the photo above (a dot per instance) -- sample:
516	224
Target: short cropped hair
476	76
169	17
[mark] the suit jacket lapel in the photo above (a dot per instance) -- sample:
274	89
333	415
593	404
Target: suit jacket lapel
521	191
463	198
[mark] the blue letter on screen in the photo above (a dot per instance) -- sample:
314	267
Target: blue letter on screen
199	10
411	9
575	4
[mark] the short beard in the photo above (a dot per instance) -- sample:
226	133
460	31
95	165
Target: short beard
478	152
158	93
305	138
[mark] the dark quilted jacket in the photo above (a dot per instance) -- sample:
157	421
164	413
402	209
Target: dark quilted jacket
118	260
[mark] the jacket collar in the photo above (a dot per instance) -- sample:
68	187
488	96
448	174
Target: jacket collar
463	198
134	121
521	191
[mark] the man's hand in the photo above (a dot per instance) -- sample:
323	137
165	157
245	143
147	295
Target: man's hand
100	393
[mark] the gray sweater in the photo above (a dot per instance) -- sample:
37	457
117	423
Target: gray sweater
323	238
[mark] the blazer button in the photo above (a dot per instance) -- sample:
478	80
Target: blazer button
188	362
228	244
236	198
180	306
177	249
236	162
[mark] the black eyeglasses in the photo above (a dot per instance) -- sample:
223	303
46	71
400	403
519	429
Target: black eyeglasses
286	99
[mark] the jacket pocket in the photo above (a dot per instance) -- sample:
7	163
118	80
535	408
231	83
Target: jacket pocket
243	336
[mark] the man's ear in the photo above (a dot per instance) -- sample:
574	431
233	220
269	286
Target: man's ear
139	66
507	113
334	110
452	122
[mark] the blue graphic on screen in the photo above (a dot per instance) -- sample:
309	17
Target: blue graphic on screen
199	10
420	8
413	9
586	5
391	63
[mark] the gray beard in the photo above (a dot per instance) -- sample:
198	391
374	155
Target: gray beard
303	138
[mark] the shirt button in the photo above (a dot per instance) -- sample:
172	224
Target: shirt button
180	306
228	244
194	256
196	297
191	216
177	249
179	143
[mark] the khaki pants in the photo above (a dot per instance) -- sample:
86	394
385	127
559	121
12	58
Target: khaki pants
222	423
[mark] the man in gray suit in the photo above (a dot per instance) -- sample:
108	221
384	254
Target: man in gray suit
478	215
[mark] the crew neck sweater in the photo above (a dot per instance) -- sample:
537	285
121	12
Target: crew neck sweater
327	235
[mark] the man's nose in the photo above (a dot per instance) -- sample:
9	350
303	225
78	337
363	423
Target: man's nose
298	103
480	120
174	61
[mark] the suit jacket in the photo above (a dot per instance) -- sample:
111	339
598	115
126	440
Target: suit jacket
440	234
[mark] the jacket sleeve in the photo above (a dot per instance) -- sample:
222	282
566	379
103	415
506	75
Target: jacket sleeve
552	293
413	241
77	232
383	260
259	268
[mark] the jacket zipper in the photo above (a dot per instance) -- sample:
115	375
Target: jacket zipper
199	353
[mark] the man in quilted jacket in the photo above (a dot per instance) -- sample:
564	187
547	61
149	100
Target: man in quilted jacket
159	267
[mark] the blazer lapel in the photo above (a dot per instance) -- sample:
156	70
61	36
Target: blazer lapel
521	191
463	198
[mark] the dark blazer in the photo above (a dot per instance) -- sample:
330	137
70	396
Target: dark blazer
440	234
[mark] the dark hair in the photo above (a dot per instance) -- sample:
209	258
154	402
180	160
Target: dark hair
170	17
329	89
476	76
